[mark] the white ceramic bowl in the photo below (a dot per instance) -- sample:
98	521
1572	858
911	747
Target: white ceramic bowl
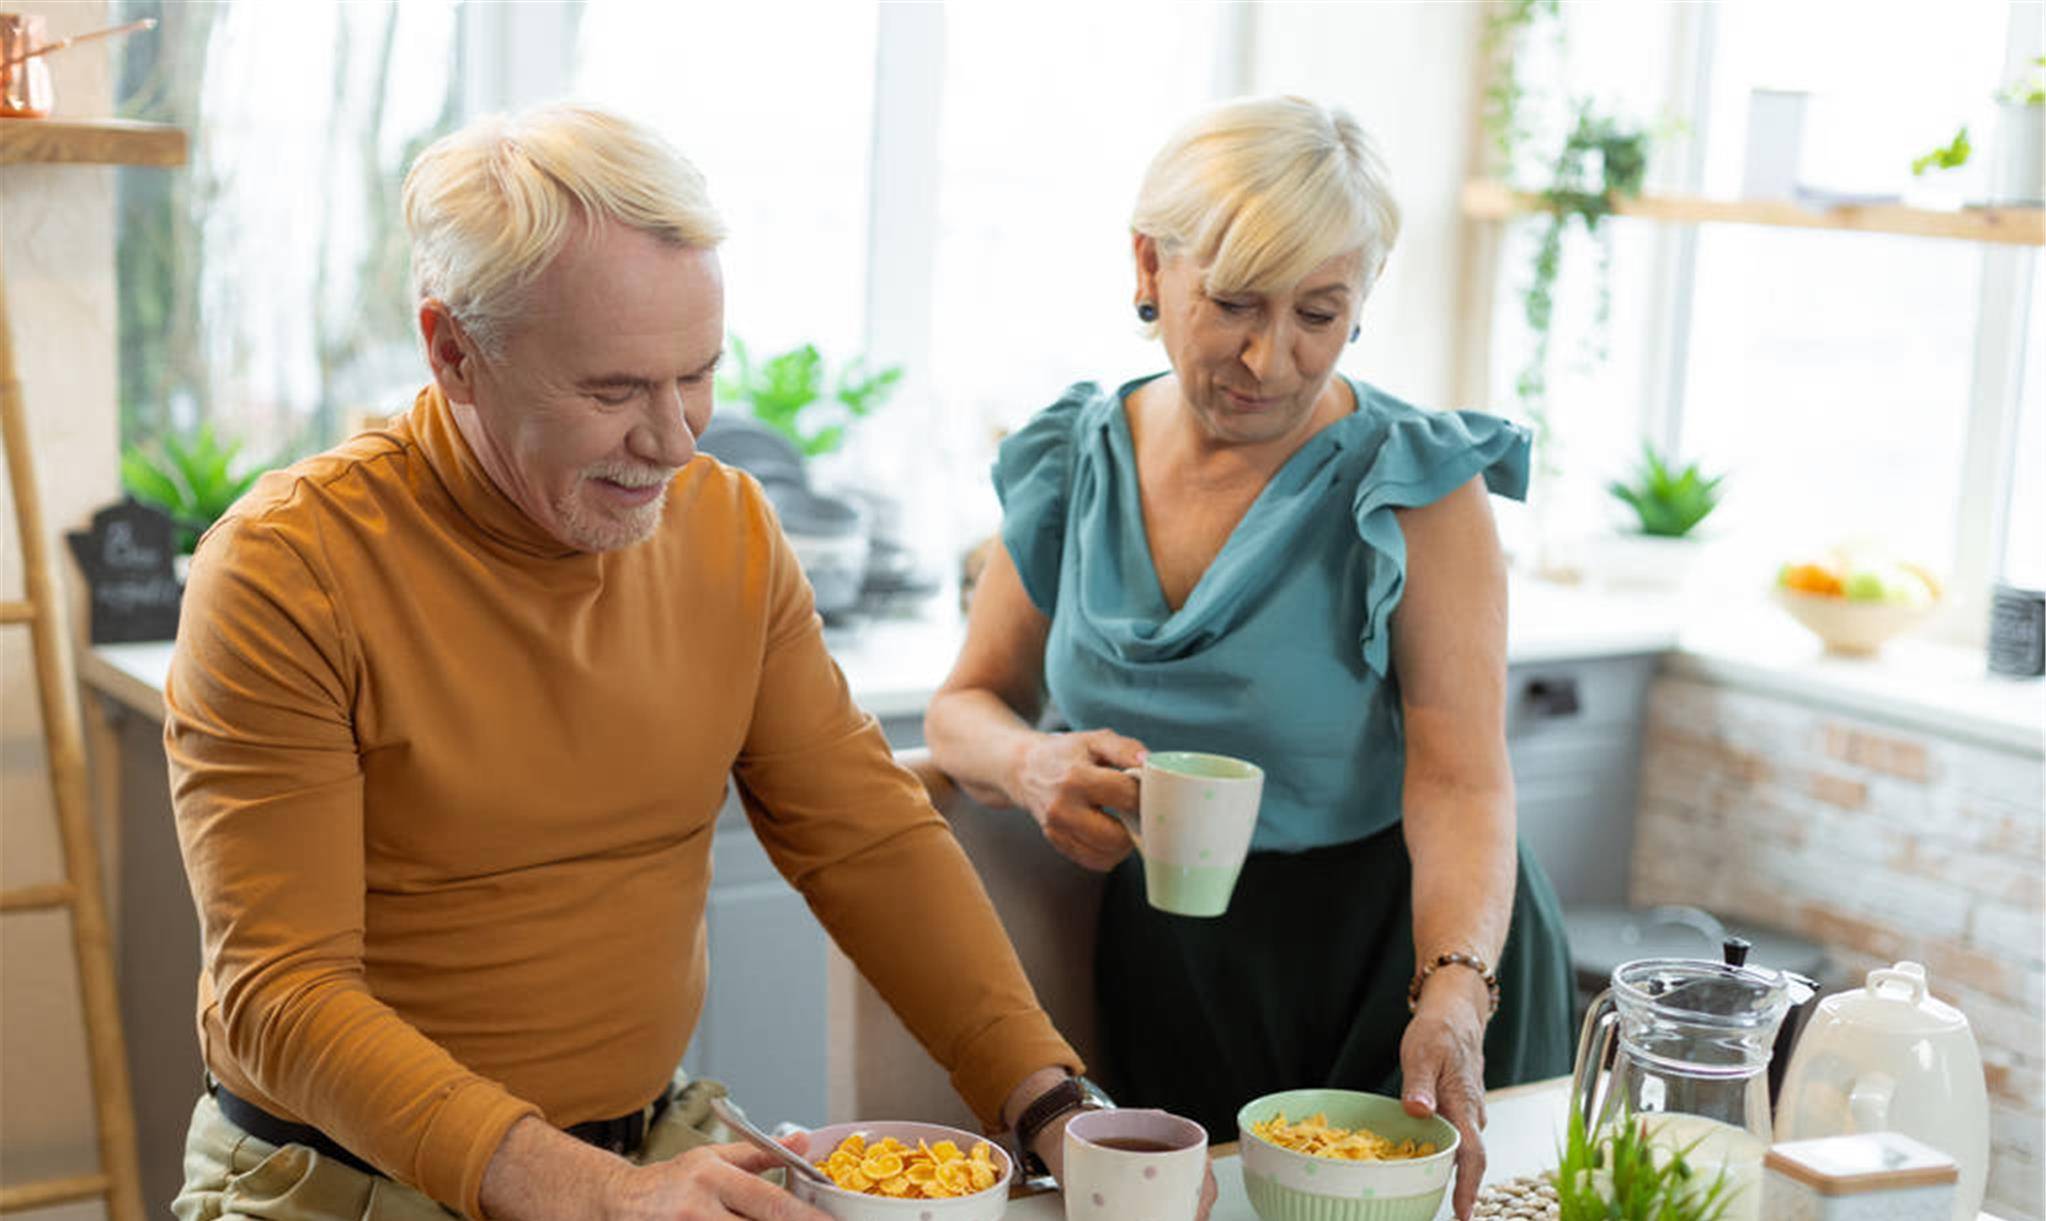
1286	1186
1851	627
854	1206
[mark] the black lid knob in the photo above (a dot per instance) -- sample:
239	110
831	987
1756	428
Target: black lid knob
1736	951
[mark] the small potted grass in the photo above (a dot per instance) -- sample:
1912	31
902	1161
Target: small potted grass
1619	1173
1659	547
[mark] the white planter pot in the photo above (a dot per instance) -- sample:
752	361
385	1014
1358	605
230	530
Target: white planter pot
2017	174
1775	149
1643	562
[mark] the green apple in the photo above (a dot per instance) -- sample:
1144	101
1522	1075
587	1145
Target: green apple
1887	583
1866	585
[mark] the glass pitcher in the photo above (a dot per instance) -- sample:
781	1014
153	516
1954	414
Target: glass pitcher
1689	1042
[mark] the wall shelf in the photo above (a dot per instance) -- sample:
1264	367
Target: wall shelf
1487	200
90	142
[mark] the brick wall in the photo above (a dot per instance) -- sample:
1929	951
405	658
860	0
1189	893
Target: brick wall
1879	843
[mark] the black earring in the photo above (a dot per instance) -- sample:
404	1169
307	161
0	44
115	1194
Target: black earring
1356	331
1147	311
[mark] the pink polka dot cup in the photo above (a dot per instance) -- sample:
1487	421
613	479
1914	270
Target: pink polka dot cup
1125	1164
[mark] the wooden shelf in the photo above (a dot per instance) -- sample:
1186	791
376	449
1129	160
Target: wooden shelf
2009	226
90	142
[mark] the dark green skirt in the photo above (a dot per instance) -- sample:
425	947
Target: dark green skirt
1303	983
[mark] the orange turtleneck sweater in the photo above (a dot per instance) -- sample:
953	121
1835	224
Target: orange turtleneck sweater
445	791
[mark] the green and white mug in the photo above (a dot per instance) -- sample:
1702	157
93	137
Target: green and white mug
1195	821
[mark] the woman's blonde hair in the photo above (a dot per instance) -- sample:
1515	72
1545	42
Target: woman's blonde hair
490	206
1261	191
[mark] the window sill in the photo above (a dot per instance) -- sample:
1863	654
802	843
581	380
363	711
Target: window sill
1934	688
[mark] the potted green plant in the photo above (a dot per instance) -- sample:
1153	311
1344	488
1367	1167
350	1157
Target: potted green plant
193	478
1658	548
1621	1173
787	392
2018	175
2017	172
793	395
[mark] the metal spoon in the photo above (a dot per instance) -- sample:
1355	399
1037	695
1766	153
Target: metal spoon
754	1136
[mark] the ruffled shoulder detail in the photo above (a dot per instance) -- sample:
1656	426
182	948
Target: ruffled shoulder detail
1421	457
1033	476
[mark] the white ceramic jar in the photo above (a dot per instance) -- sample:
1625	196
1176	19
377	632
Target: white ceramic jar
1891	1057
1874	1176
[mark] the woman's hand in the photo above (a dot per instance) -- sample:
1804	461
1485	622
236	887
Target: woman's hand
1442	1061
1067	780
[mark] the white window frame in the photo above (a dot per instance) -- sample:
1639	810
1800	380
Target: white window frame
1996	372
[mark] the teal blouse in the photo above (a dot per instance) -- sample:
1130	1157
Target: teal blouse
1281	653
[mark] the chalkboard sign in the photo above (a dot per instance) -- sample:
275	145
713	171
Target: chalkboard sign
127	559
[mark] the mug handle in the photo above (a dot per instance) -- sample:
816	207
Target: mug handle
1129	821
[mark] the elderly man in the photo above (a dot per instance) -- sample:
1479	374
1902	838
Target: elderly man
450	720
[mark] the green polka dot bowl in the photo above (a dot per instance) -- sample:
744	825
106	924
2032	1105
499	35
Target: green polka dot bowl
1288	1186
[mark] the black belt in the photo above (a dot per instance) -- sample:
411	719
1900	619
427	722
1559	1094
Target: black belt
622	1135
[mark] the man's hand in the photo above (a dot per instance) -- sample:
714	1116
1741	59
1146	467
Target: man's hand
1066	780
1442	1061
539	1172
713	1183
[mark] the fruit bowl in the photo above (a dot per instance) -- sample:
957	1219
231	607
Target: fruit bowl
1850	627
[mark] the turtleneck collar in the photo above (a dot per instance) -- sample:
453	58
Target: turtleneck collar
486	507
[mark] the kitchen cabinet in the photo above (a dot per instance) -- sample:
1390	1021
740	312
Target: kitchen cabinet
1573	729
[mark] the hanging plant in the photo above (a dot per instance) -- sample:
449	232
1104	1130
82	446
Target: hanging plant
1600	162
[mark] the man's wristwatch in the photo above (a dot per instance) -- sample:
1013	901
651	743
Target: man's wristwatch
1072	1094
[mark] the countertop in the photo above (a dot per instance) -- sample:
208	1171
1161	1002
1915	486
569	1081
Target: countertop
1523	1132
894	664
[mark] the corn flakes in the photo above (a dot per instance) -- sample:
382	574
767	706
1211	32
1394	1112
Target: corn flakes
1315	1137
928	1172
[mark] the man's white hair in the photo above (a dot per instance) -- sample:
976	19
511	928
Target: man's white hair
1261	191
490	206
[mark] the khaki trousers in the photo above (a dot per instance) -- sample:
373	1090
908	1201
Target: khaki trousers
231	1175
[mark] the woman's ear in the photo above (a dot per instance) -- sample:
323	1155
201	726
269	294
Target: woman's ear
448	352
1145	249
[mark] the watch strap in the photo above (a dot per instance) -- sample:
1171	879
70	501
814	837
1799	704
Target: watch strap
1052	1103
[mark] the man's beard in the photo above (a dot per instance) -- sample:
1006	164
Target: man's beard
592	529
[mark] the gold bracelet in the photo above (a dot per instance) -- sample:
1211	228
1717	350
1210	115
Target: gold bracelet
1454	959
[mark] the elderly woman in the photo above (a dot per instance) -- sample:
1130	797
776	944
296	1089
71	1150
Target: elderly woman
1253	555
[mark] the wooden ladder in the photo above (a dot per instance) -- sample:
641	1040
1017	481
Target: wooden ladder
119	1181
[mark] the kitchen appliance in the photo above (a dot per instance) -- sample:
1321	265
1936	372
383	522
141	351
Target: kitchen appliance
2017	632
1603	938
827	533
1890	1056
1689	1042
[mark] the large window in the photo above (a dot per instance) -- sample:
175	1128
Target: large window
265	285
781	127
948	187
1834	375
1853	387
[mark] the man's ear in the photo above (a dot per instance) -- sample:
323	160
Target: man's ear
449	351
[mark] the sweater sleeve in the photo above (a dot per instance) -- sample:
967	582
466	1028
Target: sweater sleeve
267	792
857	836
